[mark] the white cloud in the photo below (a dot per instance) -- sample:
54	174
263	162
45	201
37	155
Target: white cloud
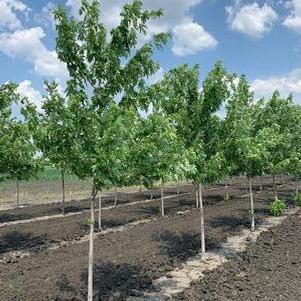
293	21
8	14
286	84
25	89
176	16
251	19
190	38
27	44
45	17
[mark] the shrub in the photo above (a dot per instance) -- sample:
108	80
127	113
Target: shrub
297	200
277	207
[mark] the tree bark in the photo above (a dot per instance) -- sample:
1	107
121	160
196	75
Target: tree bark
152	194
162	201
99	211
18	192
116	197
203	248
63	190
91	245
227	191
252	206
178	187
275	187
196	196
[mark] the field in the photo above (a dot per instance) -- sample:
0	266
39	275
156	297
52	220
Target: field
43	254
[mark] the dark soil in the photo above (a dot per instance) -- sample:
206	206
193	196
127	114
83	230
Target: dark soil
77	206
125	262
268	270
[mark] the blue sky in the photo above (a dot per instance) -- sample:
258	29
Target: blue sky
258	38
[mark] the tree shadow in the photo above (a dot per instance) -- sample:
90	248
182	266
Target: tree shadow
179	247
230	223
111	281
15	241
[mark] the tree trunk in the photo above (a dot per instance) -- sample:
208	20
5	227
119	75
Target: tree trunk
99	211
297	186
162	201
152	194
252	206
227	191
91	245
178	187
275	187
203	248
116	197
63	191
18	193
196	197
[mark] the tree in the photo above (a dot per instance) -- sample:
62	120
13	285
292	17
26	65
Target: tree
159	153
194	116
18	157
52	130
278	117
245	146
104	68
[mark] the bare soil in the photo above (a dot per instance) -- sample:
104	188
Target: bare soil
269	270
125	262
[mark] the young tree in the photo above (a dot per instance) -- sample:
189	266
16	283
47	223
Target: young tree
245	148
104	68
159	153
18	155
195	118
278	117
52	131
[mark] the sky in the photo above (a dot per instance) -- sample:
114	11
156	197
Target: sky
260	39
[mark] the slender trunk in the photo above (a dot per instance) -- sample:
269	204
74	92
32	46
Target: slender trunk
227	191
18	193
261	183
203	248
297	186
116	197
91	245
99	211
247	189
252	206
196	197
152	194
178	187
275	187
63	191
162	201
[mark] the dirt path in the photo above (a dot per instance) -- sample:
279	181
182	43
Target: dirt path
268	270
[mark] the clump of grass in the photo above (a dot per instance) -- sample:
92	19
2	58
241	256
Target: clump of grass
297	200
277	207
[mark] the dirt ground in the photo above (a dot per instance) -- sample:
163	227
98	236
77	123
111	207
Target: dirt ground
80	205
269	270
125	262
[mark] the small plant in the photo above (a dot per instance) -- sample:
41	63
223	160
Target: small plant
297	200
277	207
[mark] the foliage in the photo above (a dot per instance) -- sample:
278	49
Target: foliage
297	200
106	88
277	207
18	158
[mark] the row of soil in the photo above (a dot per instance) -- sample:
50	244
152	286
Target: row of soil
268	270
34	211
39	235
78	206
126	262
